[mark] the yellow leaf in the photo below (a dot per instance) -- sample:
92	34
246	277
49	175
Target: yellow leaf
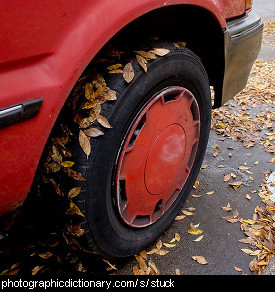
89	92
169	245
74	192
187	213
195	231
113	67
227	208
196	184
67	163
147	55
177	237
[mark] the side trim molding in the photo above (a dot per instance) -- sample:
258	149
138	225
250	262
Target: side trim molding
20	112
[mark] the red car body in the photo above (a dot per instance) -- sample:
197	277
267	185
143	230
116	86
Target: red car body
45	46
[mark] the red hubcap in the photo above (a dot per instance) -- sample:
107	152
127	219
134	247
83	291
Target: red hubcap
157	156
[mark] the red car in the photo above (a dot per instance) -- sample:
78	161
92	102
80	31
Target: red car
116	94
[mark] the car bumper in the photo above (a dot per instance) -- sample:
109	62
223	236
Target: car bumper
243	40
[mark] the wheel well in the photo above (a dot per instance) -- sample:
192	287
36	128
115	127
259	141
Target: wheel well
191	24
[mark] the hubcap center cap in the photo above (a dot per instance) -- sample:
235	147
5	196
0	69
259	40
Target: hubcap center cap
165	159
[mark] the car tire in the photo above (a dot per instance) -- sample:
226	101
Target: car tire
139	173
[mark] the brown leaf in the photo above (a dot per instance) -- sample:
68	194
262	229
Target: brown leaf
74	210
73	174
147	55
84	142
93	132
36	269
103	121
128	72
45	255
153	267
200	259
57	187
56	156
86	122
108	94
76	230
142	62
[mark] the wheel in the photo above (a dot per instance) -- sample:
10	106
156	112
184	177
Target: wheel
139	173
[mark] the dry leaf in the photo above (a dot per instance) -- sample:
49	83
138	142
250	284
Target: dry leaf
169	245
84	142
142	263
116	71
36	269
160	52
45	255
57	187
73	174
200	259
210	193
74	210
147	55
153	267
93	132
142	62
187	213
89	92
199	238
103	121
196	184
227	208
180	217
113	67
227	177
128	72
177	237
194	231
238	269
74	192
236	184
87	122
67	163
111	267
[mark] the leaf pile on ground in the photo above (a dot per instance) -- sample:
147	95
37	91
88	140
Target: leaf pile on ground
257	113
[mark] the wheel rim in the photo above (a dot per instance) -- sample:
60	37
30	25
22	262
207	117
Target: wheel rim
157	156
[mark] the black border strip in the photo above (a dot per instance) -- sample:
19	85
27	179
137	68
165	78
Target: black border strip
20	112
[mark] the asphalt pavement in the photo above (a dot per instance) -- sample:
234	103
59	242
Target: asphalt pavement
220	245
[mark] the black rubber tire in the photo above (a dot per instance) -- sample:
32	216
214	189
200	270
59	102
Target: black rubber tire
105	231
